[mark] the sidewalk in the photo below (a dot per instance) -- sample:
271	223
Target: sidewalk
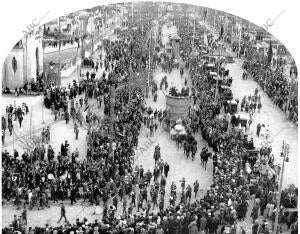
280	128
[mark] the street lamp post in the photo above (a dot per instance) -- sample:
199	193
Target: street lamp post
240	36
149	69
113	148
43	121
285	156
112	116
30	123
92	31
59	55
214	27
112	109
130	80
218	71
194	28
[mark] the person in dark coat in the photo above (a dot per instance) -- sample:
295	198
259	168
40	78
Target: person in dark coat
62	149
73	195
166	169
258	129
254	213
255	227
67	117
62	213
20	118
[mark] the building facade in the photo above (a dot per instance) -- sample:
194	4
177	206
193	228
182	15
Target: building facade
24	62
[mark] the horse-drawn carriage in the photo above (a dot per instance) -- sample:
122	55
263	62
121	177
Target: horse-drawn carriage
210	67
229	59
227	81
224	72
205	155
225	92
243	119
230	106
213	78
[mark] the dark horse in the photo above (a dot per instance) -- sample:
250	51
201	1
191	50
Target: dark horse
204	157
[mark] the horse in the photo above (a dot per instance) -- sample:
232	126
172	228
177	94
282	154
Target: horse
187	149
155	97
203	156
206	155
194	150
179	139
181	72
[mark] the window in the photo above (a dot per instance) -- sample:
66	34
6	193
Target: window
14	64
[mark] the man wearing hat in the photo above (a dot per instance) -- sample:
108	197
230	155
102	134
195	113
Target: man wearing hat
125	207
182	184
161	205
188	192
140	202
255	227
196	187
166	169
132	196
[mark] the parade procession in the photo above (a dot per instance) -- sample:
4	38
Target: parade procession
149	117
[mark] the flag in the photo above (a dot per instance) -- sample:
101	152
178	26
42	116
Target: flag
270	53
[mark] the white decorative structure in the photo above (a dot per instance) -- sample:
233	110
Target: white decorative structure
178	106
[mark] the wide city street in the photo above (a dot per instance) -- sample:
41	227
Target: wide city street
170	125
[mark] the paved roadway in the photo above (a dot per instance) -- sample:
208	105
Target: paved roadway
280	129
179	165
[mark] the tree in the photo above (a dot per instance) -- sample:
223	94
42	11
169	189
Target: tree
270	53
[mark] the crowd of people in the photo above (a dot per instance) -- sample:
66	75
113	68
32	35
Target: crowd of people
13	113
30	87
107	176
276	84
56	179
55	43
183	93
233	157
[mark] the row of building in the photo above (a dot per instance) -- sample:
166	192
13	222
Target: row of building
38	51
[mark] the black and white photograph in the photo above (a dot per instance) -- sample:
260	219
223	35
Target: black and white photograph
150	117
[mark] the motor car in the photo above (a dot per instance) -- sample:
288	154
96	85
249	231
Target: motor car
229	59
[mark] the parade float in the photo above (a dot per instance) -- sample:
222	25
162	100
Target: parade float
177	109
